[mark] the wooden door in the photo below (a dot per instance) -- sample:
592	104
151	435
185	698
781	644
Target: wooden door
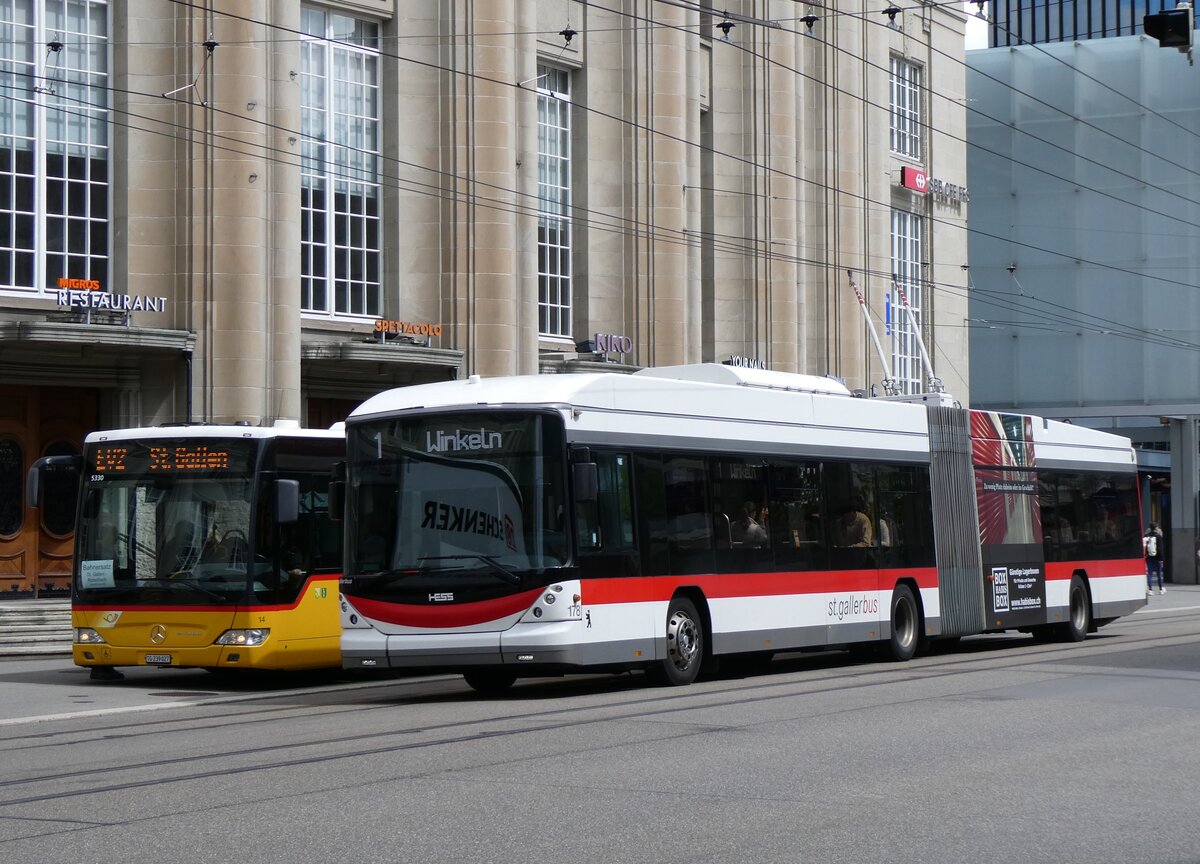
36	545
18	524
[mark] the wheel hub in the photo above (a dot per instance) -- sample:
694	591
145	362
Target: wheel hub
682	640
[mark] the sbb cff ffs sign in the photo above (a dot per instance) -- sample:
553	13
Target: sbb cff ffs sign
920	182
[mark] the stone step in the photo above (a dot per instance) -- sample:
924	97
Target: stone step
37	649
32	620
31	628
15	634
35	638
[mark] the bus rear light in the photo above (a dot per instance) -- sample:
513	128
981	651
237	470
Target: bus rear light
246	638
87	636
575	599
550	599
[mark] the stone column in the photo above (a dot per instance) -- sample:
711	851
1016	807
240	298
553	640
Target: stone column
228	211
664	259
1185	463
483	154
780	326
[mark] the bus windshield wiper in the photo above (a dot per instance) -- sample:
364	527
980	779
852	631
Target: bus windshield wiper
185	583
384	577
494	566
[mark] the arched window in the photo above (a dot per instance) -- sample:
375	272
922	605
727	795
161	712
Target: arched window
12	497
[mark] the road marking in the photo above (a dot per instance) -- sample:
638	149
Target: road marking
99	712
221	700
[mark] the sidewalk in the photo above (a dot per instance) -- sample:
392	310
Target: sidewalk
1177	597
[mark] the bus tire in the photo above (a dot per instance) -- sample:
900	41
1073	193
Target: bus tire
906	625
685	645
1079	613
490	681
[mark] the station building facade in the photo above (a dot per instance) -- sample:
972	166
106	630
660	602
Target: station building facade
267	210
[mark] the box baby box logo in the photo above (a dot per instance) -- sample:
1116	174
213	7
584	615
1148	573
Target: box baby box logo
1000	589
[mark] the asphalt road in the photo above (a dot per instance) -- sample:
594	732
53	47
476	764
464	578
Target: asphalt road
1005	750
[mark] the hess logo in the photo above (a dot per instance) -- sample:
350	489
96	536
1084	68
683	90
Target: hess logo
441	597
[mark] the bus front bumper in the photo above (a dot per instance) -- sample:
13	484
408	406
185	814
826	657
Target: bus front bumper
534	645
206	657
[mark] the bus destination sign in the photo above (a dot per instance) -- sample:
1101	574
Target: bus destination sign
140	457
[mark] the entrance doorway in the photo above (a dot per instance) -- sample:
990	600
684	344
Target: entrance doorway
324	412
36	545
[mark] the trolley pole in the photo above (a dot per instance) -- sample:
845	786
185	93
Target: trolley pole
889	383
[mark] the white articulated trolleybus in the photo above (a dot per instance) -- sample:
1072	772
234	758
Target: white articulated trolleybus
544	524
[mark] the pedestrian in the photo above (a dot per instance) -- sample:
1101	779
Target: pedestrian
1152	544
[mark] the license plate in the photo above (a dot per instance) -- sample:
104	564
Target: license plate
158	659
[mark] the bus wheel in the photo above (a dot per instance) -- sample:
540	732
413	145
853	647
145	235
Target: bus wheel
1079	619
685	645
490	681
906	625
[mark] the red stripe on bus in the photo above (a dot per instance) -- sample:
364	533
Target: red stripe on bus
726	585
282	607
459	615
1096	569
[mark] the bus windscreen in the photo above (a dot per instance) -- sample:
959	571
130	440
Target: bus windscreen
167	521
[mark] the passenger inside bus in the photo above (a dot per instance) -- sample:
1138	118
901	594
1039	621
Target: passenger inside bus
748	530
853	526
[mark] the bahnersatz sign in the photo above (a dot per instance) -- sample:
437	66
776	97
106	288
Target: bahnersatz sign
918	181
88	294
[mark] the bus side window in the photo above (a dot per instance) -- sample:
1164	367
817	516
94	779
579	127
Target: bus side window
905	515
607	523
797	516
853	529
689	520
651	513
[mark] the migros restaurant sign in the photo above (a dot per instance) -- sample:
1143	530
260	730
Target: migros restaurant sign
88	294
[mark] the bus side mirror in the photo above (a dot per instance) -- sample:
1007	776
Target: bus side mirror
586	479
336	499
33	481
287	501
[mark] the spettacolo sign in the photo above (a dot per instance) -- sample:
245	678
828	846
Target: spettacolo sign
407	328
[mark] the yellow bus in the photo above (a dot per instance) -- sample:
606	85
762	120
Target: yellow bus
203	546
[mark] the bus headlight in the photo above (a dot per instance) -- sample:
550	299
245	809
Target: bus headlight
243	638
87	636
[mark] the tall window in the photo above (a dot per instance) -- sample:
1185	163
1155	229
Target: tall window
906	108
906	266
554	202
339	193
54	145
